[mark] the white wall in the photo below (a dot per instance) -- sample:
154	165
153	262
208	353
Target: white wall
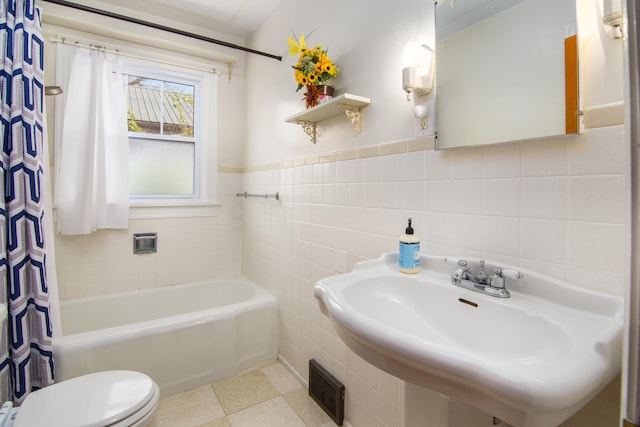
555	205
366	40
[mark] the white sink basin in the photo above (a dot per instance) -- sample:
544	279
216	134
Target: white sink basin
531	360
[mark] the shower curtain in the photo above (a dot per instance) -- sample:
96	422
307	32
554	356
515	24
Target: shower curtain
28	364
93	177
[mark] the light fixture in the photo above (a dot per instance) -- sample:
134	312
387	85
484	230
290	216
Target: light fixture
417	71
612	17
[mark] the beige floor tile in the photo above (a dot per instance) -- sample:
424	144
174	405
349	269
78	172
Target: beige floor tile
281	378
260	366
307	409
267	395
243	391
190	409
221	422
271	413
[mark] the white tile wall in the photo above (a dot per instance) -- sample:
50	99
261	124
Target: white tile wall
556	206
189	249
551	190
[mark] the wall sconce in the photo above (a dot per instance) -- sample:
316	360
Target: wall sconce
417	71
612	17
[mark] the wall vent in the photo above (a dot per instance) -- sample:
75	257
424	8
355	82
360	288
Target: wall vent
327	391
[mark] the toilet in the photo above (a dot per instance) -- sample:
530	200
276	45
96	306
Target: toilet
108	398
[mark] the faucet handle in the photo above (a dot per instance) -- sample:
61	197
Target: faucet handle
512	274
497	280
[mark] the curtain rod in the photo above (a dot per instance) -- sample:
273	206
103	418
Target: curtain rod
117	52
161	27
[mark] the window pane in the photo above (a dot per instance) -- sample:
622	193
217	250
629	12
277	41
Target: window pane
161	168
178	111
159	107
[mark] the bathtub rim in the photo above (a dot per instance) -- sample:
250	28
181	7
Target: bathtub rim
261	298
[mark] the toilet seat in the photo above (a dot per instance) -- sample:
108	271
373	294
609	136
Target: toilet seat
109	398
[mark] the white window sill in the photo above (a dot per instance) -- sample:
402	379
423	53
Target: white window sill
167	210
151	210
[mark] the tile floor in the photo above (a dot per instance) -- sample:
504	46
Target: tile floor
270	396
266	395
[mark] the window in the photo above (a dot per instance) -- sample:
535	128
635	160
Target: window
172	122
171	145
162	142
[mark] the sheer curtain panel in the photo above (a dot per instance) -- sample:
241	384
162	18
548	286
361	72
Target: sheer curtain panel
93	169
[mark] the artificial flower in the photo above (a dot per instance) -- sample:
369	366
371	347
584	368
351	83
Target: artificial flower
299	47
314	67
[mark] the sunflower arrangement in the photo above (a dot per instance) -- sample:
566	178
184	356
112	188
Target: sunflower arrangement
314	68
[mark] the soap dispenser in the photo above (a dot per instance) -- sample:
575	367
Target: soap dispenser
409	256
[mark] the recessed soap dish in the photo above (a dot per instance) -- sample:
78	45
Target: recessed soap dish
145	243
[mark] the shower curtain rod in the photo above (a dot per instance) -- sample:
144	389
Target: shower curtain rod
161	27
117	52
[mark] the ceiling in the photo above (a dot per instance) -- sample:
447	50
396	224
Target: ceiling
455	15
238	18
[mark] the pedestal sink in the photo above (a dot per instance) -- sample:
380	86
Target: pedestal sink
531	360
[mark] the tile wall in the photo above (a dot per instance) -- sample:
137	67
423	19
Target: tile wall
556	206
189	249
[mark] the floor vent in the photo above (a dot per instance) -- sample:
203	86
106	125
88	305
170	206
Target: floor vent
327	391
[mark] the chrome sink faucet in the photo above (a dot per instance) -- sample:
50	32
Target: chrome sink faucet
479	282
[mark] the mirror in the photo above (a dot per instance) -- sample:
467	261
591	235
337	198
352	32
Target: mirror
506	70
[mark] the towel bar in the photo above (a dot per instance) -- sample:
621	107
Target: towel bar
263	196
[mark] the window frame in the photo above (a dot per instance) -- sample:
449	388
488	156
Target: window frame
150	71
205	167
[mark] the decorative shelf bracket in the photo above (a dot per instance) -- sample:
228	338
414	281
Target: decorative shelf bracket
347	103
353	114
309	128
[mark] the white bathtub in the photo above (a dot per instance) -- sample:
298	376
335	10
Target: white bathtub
182	336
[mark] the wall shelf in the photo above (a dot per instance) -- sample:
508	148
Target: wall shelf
345	103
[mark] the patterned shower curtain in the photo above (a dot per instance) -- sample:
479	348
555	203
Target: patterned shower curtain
29	362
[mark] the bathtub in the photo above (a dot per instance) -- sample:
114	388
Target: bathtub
183	336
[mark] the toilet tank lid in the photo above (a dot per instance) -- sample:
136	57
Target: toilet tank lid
92	400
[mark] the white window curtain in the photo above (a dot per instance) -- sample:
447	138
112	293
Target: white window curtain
92	190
